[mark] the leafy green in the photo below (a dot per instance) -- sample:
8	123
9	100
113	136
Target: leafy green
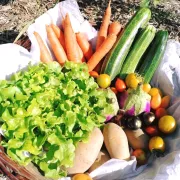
46	110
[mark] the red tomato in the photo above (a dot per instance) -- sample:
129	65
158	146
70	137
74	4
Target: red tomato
120	85
140	156
152	131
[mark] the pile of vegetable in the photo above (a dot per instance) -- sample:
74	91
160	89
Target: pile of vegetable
59	114
46	110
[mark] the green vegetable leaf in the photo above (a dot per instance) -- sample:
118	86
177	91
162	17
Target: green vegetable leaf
46	110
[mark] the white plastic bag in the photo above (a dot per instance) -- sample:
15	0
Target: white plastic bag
167	78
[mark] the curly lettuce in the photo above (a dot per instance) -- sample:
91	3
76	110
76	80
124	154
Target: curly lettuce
46	110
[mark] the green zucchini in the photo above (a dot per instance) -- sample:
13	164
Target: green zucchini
154	56
140	45
115	58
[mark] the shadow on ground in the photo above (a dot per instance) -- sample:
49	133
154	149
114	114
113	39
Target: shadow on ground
8	36
4	2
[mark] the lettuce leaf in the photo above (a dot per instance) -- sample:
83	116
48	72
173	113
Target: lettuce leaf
46	110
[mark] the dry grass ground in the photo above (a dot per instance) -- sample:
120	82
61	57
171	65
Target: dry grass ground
15	14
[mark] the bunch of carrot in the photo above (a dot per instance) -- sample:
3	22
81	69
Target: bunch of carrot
68	45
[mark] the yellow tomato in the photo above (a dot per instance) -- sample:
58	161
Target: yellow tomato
146	87
104	80
167	124
81	177
156	143
153	91
132	80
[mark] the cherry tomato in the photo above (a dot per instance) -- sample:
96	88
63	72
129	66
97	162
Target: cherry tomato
167	124
104	80
132	80
114	90
94	74
165	102
155	101
152	130
153	91
156	143
160	112
120	85
146	87
81	176
140	156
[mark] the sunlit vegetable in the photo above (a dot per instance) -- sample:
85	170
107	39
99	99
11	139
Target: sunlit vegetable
157	144
104	80
167	124
135	102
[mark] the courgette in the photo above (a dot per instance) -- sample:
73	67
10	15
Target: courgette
153	56
140	45
115	58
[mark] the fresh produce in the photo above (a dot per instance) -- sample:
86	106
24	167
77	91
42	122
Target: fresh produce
46	110
103	31
165	102
116	141
132	80
70	41
84	45
136	102
155	101
167	124
81	55
86	153
152	130
156	144
133	122
94	74
115	58
154	56
137	138
148	118
114	28
120	85
146	87
140	156
59	35
153	91
137	50
104	80
114	90
160	112
56	46
81	176
103	157
45	55
101	51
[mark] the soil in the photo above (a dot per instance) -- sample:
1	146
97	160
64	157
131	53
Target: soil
16	14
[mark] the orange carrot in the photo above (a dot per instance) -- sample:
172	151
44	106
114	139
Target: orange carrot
101	51
56	46
114	28
45	55
59	34
103	31
94	74
81	55
70	41
84	45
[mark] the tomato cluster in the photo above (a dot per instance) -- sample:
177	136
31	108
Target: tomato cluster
156	123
